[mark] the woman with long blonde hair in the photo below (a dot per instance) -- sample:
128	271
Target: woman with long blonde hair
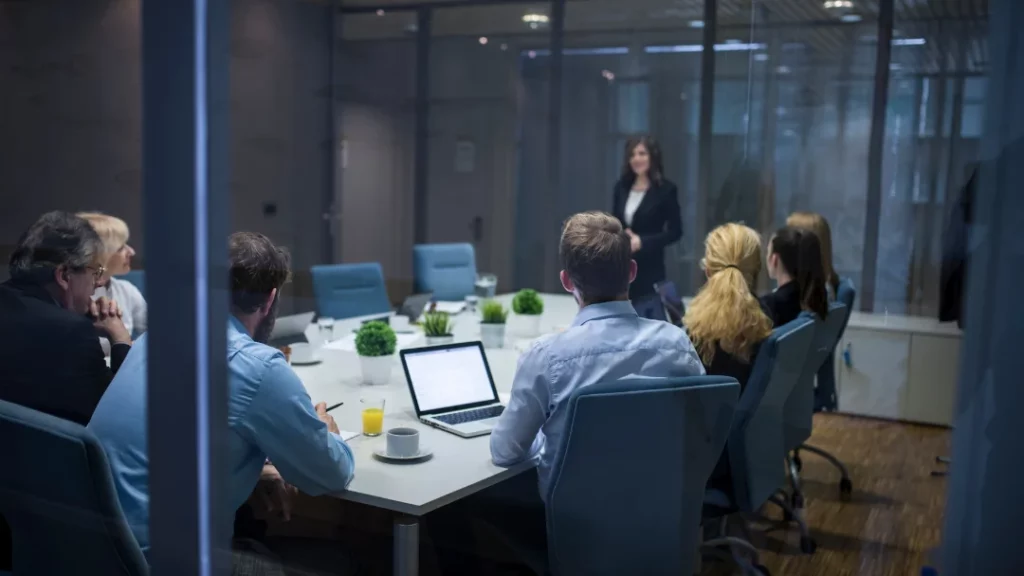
725	321
819	225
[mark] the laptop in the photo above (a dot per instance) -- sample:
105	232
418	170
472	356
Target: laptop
452	388
290	330
414	305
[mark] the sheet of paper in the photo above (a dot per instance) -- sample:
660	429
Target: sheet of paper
348	343
450	307
347	435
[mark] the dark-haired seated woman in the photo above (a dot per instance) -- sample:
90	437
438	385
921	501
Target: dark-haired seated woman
795	263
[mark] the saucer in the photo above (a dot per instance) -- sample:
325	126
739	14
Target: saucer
423	454
312	362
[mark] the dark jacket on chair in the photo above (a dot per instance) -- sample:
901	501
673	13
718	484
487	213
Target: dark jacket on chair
658	222
51	357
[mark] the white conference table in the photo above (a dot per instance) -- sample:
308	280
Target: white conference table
459	466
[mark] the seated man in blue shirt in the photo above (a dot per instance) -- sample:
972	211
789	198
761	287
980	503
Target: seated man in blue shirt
607	341
273	427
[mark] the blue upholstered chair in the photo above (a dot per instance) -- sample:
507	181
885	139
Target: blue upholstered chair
825	399
753	470
348	290
57	494
447	270
638	515
137	278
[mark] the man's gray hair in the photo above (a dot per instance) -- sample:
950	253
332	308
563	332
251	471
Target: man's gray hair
56	239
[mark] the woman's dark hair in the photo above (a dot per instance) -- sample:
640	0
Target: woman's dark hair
800	253
653	150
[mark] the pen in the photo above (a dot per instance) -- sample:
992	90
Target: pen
338	405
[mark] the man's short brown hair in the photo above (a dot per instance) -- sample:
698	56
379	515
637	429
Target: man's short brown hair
257	267
595	253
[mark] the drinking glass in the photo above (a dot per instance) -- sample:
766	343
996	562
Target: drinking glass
485	286
326	326
373	416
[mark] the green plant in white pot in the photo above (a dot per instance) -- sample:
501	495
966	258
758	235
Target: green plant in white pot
492	324
528	307
437	326
375	344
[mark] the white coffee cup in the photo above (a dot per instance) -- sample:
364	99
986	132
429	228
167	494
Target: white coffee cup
403	442
400	323
302	353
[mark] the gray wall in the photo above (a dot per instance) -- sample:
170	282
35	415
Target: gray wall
70	116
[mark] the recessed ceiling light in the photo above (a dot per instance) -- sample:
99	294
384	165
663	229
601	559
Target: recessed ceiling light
837	4
483	40
532	53
380	12
535	18
608	75
504	46
696	23
761	57
782	70
851	18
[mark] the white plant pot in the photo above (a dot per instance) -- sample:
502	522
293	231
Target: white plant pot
492	335
528	325
376	369
438	340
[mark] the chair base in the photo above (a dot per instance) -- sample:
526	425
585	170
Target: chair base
845	484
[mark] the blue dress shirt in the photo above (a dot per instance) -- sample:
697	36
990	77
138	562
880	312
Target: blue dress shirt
606	342
270	415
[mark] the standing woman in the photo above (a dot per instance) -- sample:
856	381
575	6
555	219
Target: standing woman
647	204
117	260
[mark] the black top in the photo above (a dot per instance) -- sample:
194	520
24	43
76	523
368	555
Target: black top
725	364
783	305
658	222
51	357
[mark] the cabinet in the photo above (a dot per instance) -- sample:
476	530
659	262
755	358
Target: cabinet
934	370
875	381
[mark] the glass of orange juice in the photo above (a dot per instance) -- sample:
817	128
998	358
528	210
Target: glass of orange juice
373	416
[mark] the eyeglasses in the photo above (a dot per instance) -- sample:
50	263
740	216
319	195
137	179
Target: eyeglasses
97	271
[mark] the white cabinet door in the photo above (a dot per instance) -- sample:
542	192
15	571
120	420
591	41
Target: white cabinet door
934	368
875	382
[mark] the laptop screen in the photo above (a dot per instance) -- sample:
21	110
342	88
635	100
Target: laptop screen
448	378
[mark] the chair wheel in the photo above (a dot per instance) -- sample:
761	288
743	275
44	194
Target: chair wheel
845	487
808	545
798	463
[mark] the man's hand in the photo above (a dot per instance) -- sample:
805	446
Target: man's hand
321	412
275	492
106	315
634	241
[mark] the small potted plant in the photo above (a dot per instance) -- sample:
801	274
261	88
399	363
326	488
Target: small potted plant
438	328
375	344
528	307
492	324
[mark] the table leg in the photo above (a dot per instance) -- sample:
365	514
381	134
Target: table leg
407	546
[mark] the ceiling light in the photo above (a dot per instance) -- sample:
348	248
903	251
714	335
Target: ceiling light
535	19
782	70
608	75
851	18
380	12
532	53
696	23
483	40
732	41
504	46
838	4
761	57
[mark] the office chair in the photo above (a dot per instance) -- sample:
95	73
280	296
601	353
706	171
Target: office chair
447	270
752	471
58	496
825	394
642	514
799	415
136	278
348	290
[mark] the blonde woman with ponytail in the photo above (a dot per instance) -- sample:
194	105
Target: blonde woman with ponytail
725	321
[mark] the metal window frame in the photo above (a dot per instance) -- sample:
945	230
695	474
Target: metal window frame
185	102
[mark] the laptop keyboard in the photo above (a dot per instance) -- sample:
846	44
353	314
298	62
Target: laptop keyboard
471	415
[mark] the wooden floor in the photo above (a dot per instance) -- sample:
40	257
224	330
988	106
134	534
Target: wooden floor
890	525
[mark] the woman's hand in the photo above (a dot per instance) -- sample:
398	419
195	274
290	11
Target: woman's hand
634	241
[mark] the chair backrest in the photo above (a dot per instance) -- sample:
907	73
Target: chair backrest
825	397
628	485
447	270
756	442
845	296
58	497
348	290
137	278
799	415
